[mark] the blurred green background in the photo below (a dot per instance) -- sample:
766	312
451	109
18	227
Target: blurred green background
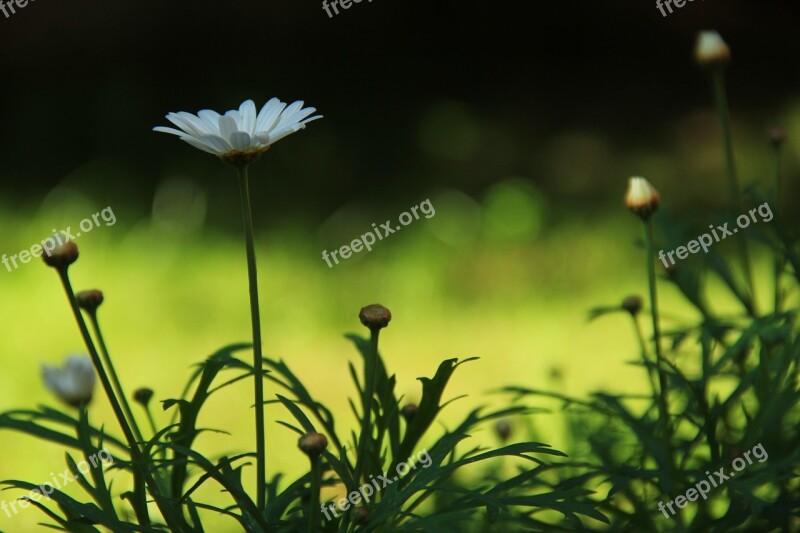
519	123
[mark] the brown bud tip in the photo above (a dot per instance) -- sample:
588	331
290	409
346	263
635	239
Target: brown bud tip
409	411
89	300
313	444
375	316
503	429
777	136
556	373
710	50
61	255
361	516
632	304
143	395
642	198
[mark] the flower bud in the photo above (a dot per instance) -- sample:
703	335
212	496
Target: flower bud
313	444
73	383
361	516
710	50
61	255
375	317
777	136
89	300
409	411
642	199
143	396
503	429
632	304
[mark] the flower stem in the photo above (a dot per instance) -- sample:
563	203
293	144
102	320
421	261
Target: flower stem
113	375
370	376
313	503
779	259
255	318
721	104
173	520
660	362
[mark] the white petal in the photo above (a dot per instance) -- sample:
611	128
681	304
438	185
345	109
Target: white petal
197	123
173	131
240	140
217	142
227	126
183	124
280	133
248	113
269	115
197	143
236	116
211	118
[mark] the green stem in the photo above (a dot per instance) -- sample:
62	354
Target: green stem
779	259
721	104
113	375
313	504
255	318
173	520
370	376
643	348
666	431
651	274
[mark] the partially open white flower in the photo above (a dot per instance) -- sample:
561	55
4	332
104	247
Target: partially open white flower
710	50
240	136
642	198
74	382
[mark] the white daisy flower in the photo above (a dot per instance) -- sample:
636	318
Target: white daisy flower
74	382
240	136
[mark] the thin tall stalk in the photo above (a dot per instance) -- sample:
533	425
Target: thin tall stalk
651	276
370	377
123	399
173	519
721	104
255	318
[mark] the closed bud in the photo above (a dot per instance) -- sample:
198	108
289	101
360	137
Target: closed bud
375	317
632	304
361	516
642	198
409	411
503	429
89	300
777	136
710	50
143	396
60	255
313	444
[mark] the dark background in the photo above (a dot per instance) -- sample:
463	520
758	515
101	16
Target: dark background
85	81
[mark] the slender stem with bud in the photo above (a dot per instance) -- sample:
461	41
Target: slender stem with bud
123	399
173	520
721	104
313	503
651	273
255	317
370	377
